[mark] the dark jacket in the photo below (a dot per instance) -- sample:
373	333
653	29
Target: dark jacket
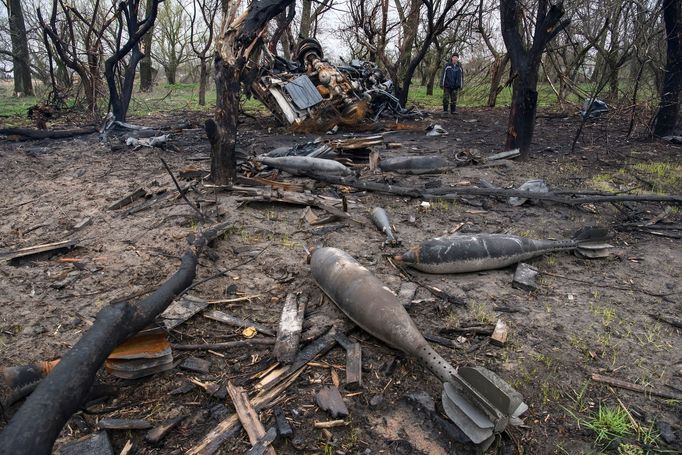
453	76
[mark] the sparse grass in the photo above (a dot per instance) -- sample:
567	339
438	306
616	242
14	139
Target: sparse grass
440	205
185	96
657	177
607	315
481	314
551	260
475	94
611	424
608	424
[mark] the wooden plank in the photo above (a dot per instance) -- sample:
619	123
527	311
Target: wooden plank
181	310
353	361
264	442
137	194
124	424
247	415
329	399
290	326
226	428
238	322
47	248
635	387
499	336
354	366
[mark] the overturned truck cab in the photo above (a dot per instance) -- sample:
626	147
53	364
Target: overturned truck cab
309	91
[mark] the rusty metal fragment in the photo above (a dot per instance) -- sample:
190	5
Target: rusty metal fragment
311	93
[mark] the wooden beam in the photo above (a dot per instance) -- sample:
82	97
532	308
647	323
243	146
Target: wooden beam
247	415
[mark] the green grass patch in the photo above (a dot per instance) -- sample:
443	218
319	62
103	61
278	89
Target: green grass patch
657	177
608	424
615	424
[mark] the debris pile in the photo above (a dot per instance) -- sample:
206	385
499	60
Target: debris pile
310	91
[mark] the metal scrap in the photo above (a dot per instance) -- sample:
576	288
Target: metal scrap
310	91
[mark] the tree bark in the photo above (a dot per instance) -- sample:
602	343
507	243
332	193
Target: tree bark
521	123
496	73
203	81
222	133
146	74
669	107
526	64
21	59
232	54
136	29
306	10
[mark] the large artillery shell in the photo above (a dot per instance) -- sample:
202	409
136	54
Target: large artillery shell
372	306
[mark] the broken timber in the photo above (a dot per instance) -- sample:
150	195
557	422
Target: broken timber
238	322
247	415
263	444
353	361
47	249
36	425
225	345
230	426
28	134
571	198
290	326
635	387
288	197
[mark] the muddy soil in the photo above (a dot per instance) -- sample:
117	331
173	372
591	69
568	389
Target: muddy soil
586	316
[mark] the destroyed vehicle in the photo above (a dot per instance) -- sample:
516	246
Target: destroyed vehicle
310	91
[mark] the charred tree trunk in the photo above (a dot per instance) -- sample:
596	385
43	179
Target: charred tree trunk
496	73
20	57
669	107
232	54
222	133
146	74
136	29
523	108
526	64
34	428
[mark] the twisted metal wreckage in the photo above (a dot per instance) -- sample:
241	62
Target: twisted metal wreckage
310	90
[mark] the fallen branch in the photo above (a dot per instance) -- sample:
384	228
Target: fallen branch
572	198
182	193
36	425
29	134
609	286
225	345
635	387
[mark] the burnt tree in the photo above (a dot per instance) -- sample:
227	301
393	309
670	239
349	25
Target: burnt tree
119	95
240	38
20	56
283	22
525	60
669	107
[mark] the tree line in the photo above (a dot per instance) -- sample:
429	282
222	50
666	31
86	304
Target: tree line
99	52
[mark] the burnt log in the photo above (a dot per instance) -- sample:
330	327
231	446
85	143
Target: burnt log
28	134
36	425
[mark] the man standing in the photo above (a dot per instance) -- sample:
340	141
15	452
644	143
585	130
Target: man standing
451	82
